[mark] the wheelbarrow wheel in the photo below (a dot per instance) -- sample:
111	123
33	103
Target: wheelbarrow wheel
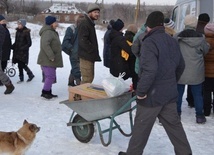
84	133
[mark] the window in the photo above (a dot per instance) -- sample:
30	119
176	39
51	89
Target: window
186	9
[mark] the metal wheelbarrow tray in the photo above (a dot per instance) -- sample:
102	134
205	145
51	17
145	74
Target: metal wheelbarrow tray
90	112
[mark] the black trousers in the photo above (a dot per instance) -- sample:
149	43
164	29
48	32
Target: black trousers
22	66
189	98
208	91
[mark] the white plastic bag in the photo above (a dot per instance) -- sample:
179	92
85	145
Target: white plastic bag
115	86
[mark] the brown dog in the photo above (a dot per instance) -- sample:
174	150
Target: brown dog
17	143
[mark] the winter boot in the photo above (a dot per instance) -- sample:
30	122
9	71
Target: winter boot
53	94
207	111
29	73
78	81
46	94
121	153
30	78
21	77
9	88
200	119
1	84
71	81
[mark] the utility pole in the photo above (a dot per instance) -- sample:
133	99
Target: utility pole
137	11
23	5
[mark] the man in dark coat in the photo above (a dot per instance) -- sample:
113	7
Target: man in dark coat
21	50
6	47
70	47
118	42
161	65
3	77
87	44
107	45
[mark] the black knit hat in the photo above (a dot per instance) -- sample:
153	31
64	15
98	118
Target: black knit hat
204	17
50	20
1	18
154	19
118	25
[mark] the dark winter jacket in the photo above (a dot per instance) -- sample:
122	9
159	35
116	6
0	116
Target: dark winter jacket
21	45
2	37
193	48
161	65
200	26
107	48
70	41
88	46
50	48
118	63
6	48
129	36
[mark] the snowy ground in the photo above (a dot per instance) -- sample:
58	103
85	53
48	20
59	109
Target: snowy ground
55	138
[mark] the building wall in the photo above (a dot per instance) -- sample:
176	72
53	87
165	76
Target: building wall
62	18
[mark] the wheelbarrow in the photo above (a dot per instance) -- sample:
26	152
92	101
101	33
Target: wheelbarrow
87	113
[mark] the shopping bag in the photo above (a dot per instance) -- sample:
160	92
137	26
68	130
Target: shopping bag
115	86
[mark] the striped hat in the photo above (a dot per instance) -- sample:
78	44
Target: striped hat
169	23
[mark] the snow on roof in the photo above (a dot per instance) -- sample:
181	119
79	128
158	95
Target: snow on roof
62	8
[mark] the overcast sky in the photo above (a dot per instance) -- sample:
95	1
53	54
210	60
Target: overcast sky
148	2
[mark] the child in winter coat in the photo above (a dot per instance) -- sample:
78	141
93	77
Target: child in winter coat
21	50
129	35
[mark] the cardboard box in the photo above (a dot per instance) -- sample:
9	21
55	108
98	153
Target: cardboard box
87	91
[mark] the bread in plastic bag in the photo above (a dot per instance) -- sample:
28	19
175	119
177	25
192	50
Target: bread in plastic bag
115	86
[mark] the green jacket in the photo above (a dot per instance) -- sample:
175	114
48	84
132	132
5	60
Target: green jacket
50	48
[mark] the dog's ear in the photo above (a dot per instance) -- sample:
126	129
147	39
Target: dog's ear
25	121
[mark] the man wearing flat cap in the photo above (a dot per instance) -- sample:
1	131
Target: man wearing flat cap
161	64
87	43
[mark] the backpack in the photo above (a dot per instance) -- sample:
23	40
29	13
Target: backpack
67	40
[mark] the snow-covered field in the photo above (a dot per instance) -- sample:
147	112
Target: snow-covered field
55	138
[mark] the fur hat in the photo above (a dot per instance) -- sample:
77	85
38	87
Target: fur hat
154	19
169	23
22	22
1	18
93	7
209	28
191	21
204	17
50	20
132	28
118	25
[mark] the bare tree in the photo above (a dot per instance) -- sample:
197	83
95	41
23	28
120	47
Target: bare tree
5	4
167	10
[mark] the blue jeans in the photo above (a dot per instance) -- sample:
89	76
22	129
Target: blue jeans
197	96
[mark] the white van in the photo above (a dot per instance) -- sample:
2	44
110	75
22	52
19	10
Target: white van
194	7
